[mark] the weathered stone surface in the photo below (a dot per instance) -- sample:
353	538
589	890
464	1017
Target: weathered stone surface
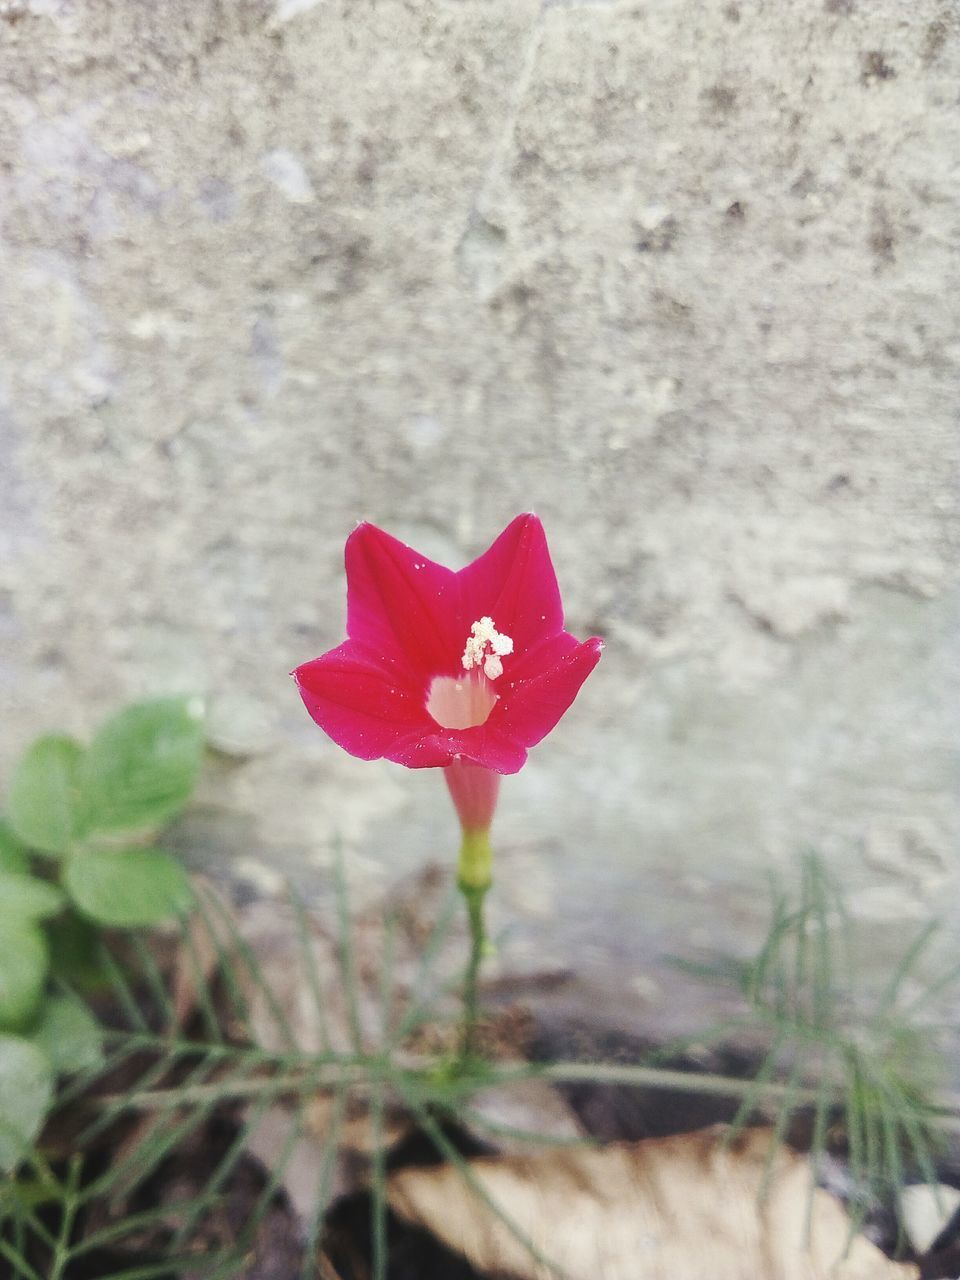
681	277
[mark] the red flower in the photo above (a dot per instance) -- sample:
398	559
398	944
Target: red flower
441	666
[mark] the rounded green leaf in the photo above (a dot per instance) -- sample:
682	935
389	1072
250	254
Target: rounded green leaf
25	897
69	1035
24	962
44	797
76	953
26	1091
142	765
13	852
127	887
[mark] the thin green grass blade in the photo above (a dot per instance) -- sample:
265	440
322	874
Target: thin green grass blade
134	1222
758	970
152	976
682	1045
222	1172
234	1153
891	1157
226	966
28	1217
856	1149
908	960
160	1270
419	999
387	990
19	1238
754	1092
110	1113
801	950
315	1225
160	1139
345	950
450	1153
275	1180
211	1021
920	1144
785	1110
942	983
725	970
818	1141
823	993
310	967
83	1081
122	990
874	1138
244	953
23	1270
378	1188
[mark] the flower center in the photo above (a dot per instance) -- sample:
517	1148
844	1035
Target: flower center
463	702
484	648
460	702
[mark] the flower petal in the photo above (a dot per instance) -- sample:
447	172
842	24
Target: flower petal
442	747
367	705
538	659
400	604
489	747
514	583
529	709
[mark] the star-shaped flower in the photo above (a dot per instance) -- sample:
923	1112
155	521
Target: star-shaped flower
441	666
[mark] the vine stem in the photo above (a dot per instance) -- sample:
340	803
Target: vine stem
350	1072
473	896
71	1202
473	879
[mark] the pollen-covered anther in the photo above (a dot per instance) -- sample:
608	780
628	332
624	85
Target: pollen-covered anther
485	647
492	666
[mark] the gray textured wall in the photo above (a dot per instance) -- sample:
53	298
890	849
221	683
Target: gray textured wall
679	275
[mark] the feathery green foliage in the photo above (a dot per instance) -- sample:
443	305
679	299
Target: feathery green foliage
855	1070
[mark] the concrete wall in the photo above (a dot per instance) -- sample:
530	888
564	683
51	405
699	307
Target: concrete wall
680	275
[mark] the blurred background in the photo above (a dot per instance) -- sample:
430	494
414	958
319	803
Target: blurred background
680	277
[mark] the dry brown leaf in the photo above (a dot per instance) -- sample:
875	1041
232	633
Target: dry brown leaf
681	1208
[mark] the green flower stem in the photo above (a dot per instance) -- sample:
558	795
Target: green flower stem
474	879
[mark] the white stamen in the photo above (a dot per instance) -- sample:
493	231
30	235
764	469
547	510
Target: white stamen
484	635
492	666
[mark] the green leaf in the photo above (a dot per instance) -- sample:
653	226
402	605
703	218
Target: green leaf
26	1091
142	765
26	897
43	807
69	1035
76	953
23	970
13	852
127	887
